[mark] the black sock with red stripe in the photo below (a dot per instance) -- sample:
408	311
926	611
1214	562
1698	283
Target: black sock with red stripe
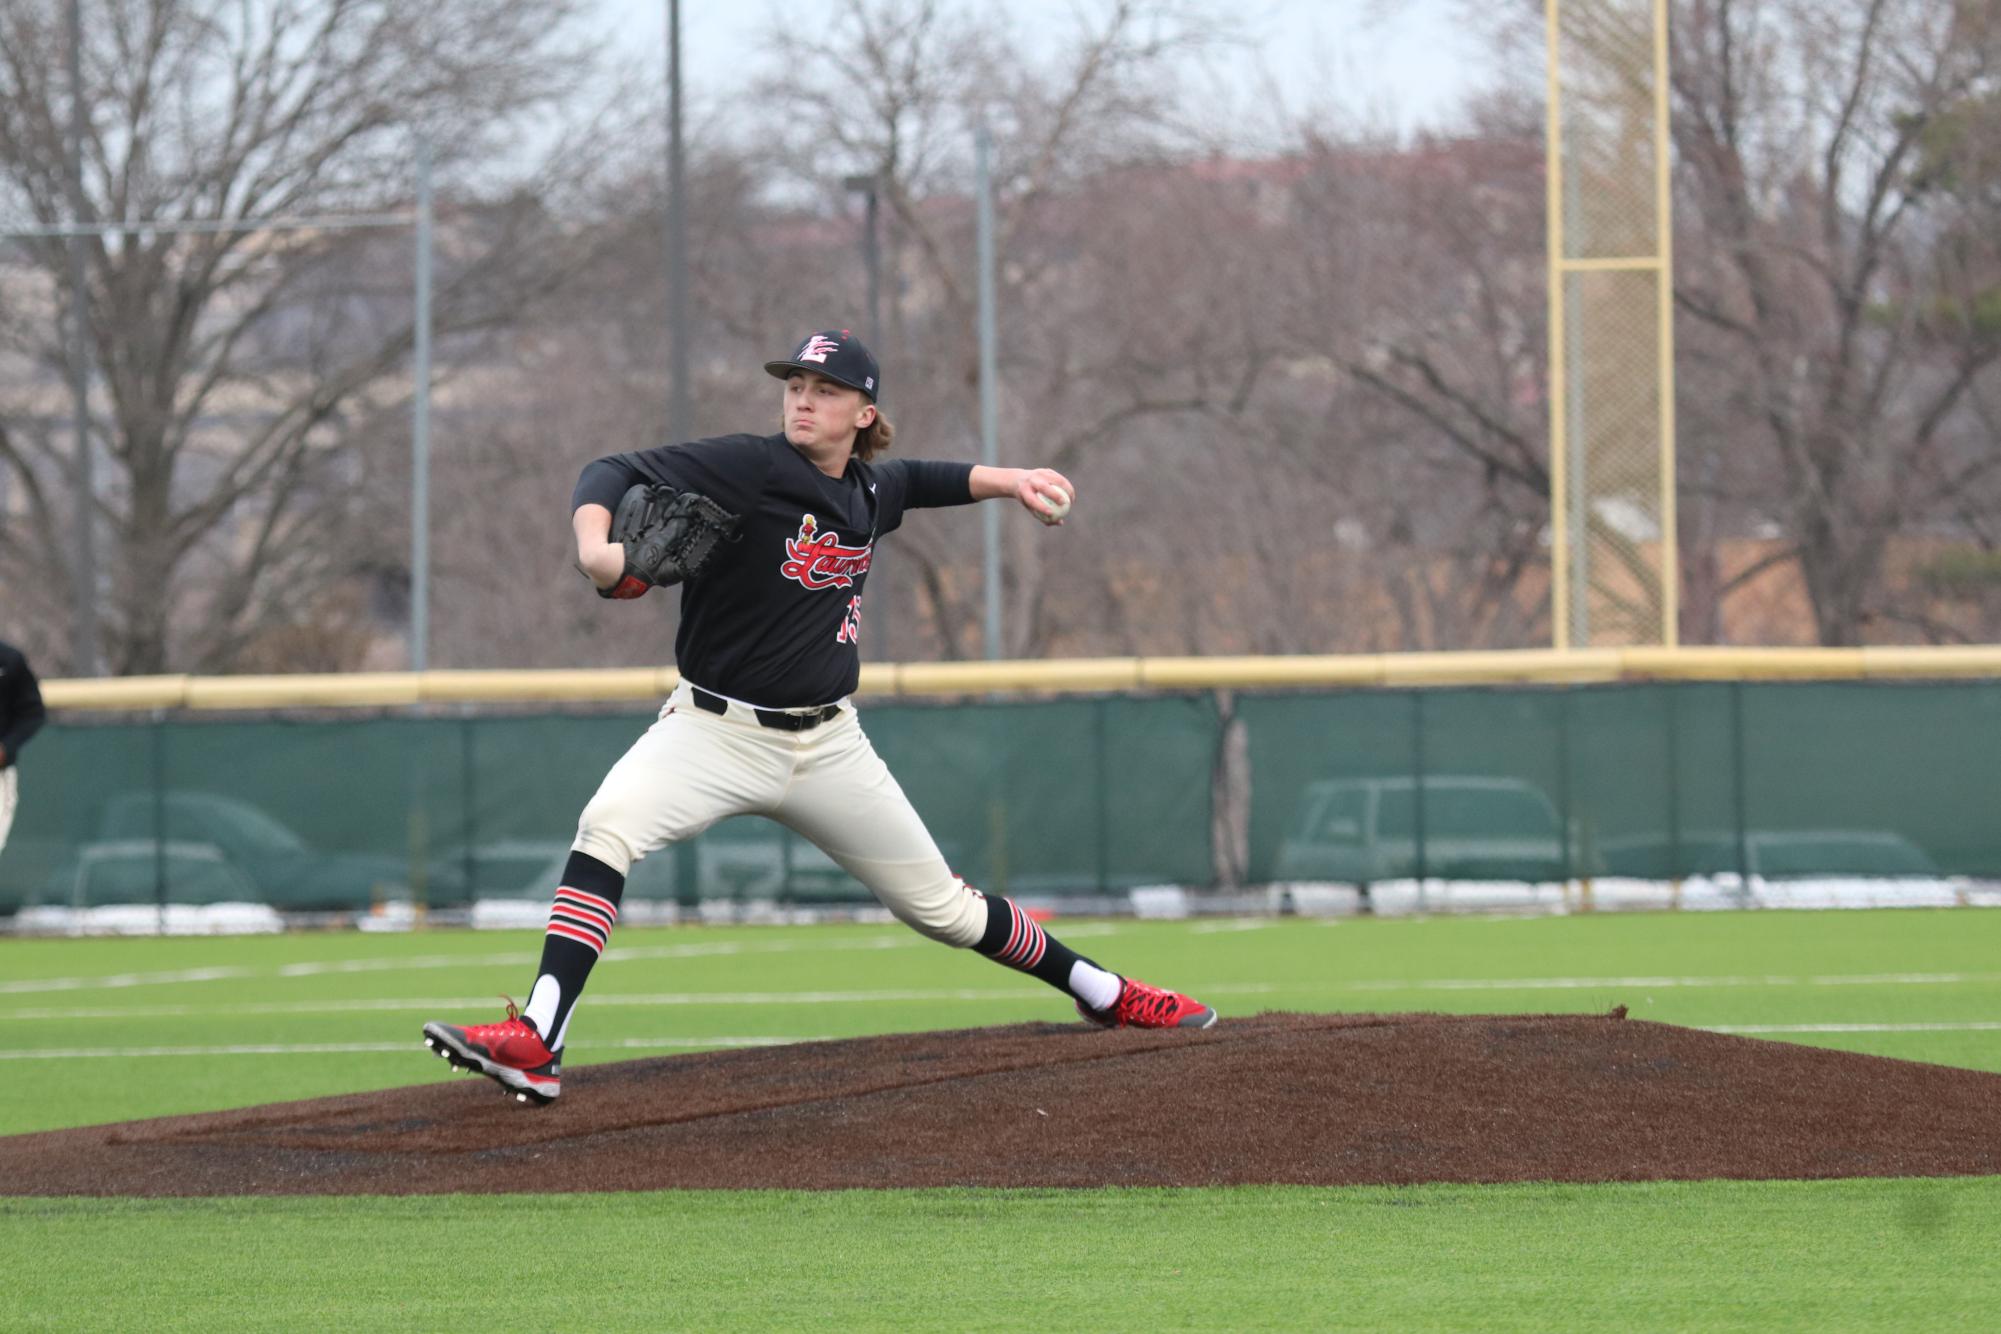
1018	940
580	922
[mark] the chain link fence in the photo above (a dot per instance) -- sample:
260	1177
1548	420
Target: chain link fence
1613	441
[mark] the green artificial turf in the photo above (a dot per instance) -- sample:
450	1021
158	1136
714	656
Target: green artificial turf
187	1020
1860	1255
186	1025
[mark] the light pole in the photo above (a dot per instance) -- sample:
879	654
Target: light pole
869	186
420	424
83	640
680	414
983	163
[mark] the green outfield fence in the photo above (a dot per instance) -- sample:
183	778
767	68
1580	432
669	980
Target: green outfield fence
1048	799
1064	797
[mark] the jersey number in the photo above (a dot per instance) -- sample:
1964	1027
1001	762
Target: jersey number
851	625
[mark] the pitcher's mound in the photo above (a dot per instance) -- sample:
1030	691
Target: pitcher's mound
1307	1099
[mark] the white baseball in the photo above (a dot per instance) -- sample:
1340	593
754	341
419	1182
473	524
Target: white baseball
1058	501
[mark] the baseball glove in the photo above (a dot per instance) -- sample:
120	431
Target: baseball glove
668	536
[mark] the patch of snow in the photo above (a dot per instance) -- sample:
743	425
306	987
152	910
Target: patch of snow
132	919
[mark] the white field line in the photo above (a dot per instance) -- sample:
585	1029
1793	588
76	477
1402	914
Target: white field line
707	1043
708	949
1967	1027
521	959
524	958
1586	983
482	1004
344	1048
125	980
1229	925
891	942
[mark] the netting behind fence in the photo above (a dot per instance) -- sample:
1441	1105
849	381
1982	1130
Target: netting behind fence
1075	796
1643	782
1654	783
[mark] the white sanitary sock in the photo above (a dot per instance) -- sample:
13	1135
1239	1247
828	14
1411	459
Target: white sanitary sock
1093	985
541	1010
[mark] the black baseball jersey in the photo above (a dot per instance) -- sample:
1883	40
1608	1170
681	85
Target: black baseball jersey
21	712
777	620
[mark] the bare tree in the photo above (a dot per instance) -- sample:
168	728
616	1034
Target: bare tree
244	372
1200	339
1812	264
1306	395
893	91
584	374
1419	285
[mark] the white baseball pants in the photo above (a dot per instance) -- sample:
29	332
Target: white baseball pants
10	797
692	768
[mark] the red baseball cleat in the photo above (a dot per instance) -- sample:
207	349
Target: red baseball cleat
510	1053
1142	1006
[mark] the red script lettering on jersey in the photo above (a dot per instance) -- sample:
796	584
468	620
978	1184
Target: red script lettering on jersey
818	560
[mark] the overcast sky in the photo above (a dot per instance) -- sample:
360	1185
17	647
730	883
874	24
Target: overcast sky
1396	64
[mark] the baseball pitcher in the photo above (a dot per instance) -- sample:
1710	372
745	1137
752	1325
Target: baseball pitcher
769	539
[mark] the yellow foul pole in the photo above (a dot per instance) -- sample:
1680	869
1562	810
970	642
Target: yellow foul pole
1559	548
1664	224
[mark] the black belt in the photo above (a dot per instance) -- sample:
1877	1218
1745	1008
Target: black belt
784	722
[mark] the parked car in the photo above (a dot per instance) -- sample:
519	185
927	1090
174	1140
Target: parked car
742	859
749	858
497	868
1359	831
205	847
1786	864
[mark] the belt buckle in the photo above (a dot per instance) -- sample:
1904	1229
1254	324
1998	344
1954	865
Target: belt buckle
786	721
806	722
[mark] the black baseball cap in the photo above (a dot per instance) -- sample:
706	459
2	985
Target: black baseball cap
836	354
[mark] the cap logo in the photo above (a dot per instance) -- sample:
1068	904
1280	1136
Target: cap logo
868	383
818	348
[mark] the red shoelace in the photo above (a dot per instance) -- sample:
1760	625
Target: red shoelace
1146	1005
511	1027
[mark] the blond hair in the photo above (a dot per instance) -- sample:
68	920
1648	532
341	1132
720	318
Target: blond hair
876	437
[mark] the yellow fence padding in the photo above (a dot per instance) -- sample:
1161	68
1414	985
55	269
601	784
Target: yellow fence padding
1052	676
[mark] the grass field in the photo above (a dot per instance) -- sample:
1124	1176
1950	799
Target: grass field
95	1030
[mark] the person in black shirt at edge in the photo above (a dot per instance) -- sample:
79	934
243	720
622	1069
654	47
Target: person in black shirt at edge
761	723
21	716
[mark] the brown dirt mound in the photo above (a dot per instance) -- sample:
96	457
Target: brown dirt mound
1295	1098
